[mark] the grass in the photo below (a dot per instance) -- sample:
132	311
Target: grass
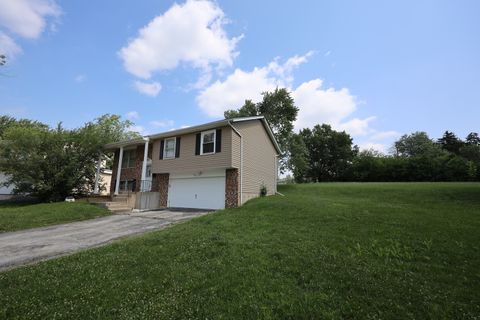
18	216
324	251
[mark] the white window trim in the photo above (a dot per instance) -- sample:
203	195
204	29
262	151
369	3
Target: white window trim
214	141
174	148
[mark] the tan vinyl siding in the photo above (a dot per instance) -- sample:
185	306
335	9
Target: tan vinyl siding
188	161
258	159
235	150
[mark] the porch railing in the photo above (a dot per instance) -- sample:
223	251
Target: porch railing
145	185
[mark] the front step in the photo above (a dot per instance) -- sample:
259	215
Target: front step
118	205
122	209
115	204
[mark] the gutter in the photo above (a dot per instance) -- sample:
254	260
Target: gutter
241	160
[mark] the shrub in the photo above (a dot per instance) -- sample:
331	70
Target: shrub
263	190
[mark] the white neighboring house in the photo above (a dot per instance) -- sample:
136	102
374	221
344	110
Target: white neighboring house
5	192
105	179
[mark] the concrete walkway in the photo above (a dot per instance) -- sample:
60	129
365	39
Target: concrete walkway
32	245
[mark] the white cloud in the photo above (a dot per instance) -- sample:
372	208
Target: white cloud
132	115
231	93
8	47
379	140
357	127
316	104
192	33
240	85
375	146
149	88
24	18
319	105
384	135
284	71
162	123
80	78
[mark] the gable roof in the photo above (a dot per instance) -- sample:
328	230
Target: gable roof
201	127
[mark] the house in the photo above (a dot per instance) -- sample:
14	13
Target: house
5	192
105	178
216	165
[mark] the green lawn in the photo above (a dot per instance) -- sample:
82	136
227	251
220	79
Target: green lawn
324	251
18	216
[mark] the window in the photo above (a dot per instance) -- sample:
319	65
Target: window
208	142
127	185
169	151
128	160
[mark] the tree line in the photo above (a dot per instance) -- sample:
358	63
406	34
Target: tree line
52	163
416	157
323	154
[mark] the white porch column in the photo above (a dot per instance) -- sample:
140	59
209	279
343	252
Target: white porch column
97	176
119	169
144	165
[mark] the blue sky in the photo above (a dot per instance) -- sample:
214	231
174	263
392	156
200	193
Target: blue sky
377	69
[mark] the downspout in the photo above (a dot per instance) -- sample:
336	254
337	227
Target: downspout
241	160
276	172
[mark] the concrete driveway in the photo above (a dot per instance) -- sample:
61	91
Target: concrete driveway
32	245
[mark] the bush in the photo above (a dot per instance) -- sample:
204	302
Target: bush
263	190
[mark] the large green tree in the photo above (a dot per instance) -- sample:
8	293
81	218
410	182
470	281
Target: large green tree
330	153
278	108
54	163
7	122
298	160
415	144
473	139
450	142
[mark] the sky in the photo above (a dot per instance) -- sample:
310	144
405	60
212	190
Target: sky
376	69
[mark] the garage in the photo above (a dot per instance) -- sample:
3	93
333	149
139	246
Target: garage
198	190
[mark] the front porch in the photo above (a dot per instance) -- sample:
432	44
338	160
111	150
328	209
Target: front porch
131	184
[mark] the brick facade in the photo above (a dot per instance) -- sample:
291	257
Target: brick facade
134	173
231	188
160	184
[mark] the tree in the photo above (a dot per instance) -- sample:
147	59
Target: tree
330	152
450	142
248	109
278	108
368	165
415	144
54	163
7	122
471	152
298	161
473	139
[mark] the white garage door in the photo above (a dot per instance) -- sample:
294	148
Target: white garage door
198	192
